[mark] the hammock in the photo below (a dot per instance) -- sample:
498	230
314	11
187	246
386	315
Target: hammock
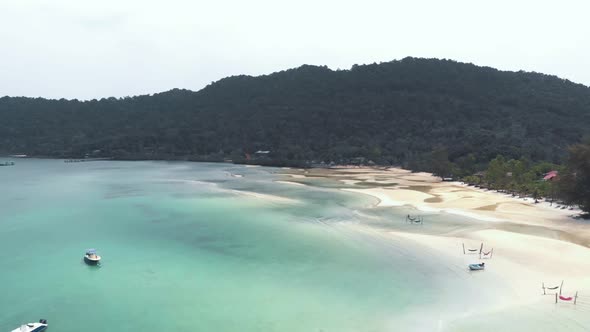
551	288
483	254
472	250
567	298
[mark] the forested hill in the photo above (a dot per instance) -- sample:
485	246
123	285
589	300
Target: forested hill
391	113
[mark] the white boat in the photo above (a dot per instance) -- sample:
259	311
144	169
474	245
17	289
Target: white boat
91	257
32	327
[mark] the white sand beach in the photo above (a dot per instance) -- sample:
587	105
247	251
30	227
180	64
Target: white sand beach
533	243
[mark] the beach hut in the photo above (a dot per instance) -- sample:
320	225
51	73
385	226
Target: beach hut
550	176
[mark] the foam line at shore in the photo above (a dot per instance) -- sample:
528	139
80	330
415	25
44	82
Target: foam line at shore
266	197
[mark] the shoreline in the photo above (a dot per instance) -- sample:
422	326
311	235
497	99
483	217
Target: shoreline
533	243
428	194
353	168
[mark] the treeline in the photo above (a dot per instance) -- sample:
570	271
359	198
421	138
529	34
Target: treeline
567	184
389	113
574	183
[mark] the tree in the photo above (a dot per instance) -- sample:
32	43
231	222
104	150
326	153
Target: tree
440	164
496	172
466	164
575	181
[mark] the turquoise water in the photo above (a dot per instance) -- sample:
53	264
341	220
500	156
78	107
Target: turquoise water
185	247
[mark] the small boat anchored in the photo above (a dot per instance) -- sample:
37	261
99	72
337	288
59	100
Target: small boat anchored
477	267
32	327
91	257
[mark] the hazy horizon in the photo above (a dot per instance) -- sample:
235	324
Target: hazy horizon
66	49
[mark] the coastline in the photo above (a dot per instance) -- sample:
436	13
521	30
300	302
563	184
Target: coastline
533	243
425	193
349	217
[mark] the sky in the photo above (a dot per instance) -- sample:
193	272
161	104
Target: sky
84	50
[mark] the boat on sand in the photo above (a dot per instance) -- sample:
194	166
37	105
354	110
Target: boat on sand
477	267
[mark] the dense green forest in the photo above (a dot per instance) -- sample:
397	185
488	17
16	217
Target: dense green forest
390	113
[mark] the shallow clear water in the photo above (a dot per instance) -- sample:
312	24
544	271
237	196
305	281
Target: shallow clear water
187	246
182	249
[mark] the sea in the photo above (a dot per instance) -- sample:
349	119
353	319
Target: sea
211	247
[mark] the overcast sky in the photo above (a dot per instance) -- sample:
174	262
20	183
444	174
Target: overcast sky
93	49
